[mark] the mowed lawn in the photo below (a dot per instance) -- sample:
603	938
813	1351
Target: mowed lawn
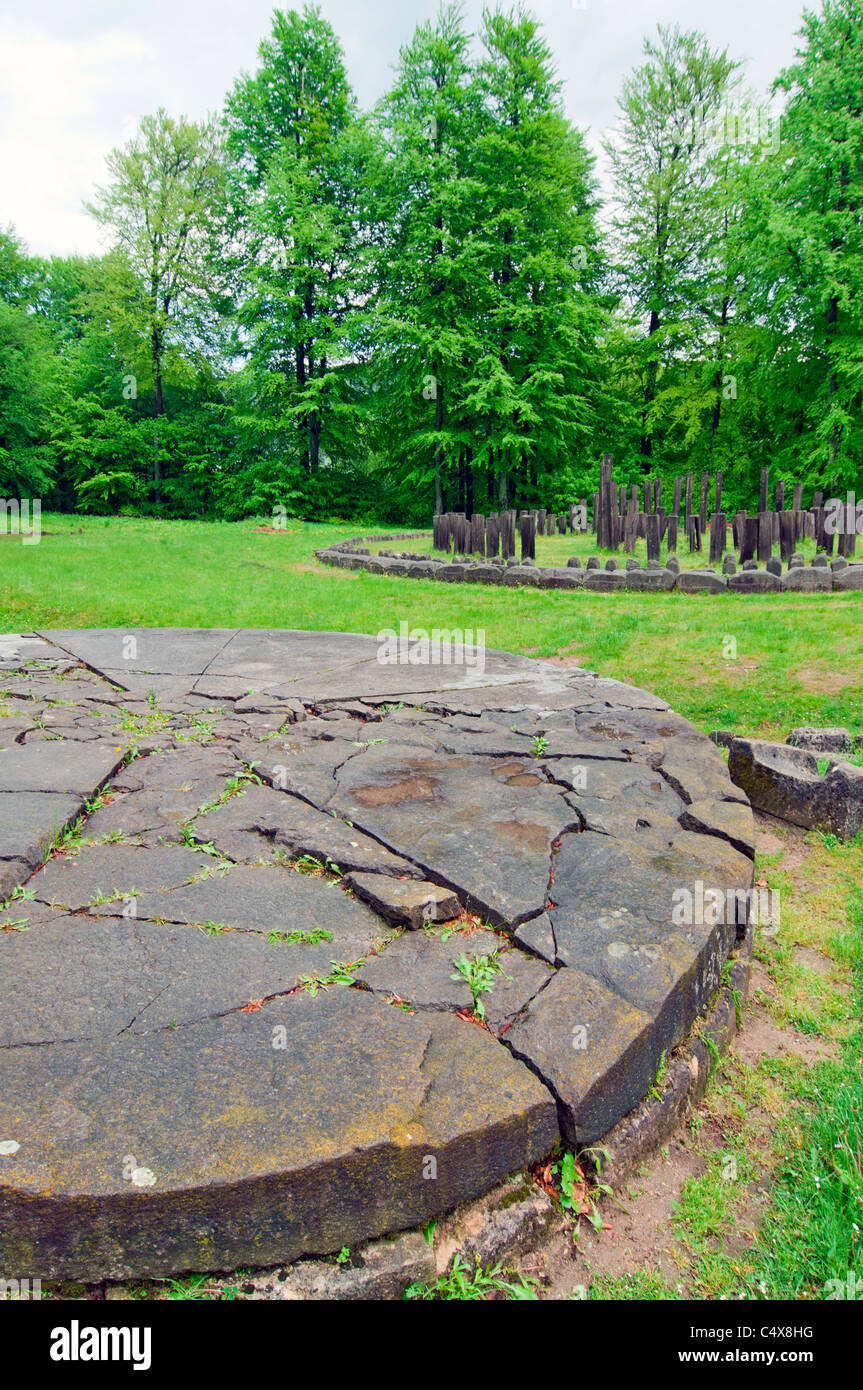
757	664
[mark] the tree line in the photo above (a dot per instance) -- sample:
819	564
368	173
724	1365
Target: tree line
429	306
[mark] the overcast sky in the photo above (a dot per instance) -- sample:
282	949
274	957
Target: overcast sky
76	75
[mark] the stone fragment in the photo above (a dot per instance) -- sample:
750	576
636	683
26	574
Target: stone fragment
410	904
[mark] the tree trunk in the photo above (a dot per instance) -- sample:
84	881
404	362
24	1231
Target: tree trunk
156	347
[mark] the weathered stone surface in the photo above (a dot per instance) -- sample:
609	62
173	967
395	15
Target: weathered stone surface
537	936
754	582
266	899
731	820
596	1054
605	581
263	822
701	582
512	1220
850	578
491	836
94	872
57	767
31	821
420	968
230	1130
650	579
561	579
407	904
784	781
616	916
695	775
812	580
565	808
13	872
828	740
382	1269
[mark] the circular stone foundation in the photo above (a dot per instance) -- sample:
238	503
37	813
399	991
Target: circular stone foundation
329	943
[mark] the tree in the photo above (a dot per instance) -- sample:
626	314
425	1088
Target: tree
432	283
161	209
297	157
663	164
813	250
544	322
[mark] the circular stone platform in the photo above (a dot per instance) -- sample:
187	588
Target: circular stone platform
232	1028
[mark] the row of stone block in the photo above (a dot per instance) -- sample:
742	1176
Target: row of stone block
820	577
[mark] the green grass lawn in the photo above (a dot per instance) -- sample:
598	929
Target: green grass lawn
799	657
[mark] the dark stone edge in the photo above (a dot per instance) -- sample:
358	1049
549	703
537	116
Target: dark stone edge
546	577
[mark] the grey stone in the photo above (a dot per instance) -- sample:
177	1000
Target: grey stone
701	581
651	578
754	582
812	580
512	1220
410	903
563	807
537	937
829	740
784	782
57	767
419	968
263	821
382	1269
596	1054
30	822
849	578
521	574
606	581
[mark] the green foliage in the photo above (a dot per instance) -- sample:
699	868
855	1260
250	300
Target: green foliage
374	316
478	972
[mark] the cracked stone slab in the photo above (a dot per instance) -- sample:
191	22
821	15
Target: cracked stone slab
464	825
58	767
266	899
195	1021
79	880
730	820
255	1153
80	977
420	969
30	822
262	822
596	1053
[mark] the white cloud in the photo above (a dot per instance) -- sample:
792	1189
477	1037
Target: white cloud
56	126
75	81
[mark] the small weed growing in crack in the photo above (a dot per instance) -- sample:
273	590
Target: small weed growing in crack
568	1180
214	928
661	1072
539	745
340	975
478	972
299	938
307	864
